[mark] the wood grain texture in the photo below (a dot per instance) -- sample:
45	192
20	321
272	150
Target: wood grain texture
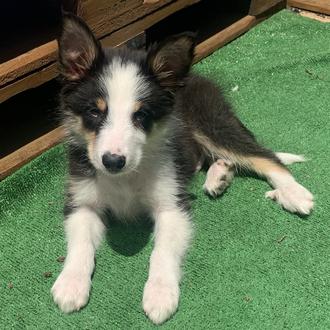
150	1
31	81
258	7
319	6
208	46
23	155
104	16
27	62
132	30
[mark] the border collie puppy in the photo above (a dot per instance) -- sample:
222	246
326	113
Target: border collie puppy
139	125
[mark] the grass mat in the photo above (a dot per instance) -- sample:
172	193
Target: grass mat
252	265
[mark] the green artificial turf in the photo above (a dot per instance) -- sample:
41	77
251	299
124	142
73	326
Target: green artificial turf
252	265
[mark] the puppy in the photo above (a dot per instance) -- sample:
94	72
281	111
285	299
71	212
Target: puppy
139	126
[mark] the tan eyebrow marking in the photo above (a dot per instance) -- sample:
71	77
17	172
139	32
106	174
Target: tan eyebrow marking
101	104
137	106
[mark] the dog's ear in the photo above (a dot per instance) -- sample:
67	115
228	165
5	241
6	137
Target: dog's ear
79	50
171	59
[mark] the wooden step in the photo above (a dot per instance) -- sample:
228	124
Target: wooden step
318	6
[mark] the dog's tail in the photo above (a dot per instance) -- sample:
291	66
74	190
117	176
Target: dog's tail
288	159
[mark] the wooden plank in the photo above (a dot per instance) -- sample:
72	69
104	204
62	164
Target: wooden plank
124	34
319	6
208	46
18	158
91	9
31	81
104	16
317	16
150	1
258	7
27	62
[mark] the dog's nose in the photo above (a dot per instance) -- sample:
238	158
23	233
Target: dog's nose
113	162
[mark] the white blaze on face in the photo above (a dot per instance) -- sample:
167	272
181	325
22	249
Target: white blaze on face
125	86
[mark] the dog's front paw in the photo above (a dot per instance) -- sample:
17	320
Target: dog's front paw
294	198
71	291
160	299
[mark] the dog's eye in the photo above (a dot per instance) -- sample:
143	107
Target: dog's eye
142	119
95	112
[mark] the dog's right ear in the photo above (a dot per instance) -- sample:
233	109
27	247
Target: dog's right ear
79	50
171	59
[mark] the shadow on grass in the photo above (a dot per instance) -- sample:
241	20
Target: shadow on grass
128	238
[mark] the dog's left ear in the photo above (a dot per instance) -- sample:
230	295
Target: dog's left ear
170	60
79	50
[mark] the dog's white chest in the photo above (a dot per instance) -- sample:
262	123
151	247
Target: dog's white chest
124	197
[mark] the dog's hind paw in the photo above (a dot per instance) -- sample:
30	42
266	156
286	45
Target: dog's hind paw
160	300
294	198
71	291
218	178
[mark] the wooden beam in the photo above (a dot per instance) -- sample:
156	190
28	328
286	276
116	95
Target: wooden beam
104	16
319	17
18	158
319	6
27	62
131	30
258	7
31	81
218	40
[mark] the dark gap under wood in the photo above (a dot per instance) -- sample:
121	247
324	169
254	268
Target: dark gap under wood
205	18
28	116
25	25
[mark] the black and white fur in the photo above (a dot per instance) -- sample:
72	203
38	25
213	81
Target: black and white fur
164	123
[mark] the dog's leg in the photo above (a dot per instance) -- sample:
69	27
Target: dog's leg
288	192
161	292
218	177
84	231
248	154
